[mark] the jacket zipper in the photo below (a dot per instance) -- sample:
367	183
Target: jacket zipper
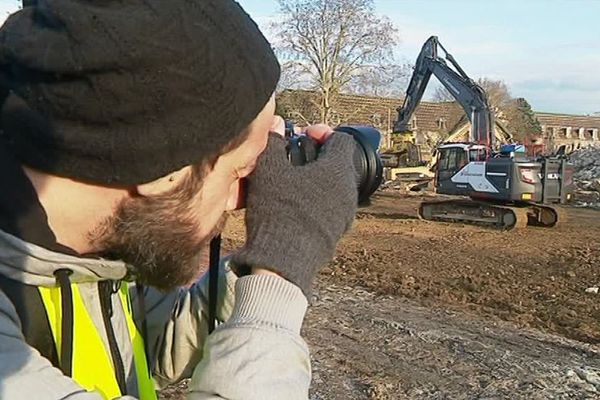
106	293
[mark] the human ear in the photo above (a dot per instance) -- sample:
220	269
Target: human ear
164	184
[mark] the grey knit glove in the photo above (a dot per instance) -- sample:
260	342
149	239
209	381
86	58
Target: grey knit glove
296	214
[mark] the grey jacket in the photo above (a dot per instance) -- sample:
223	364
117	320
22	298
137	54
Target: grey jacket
256	353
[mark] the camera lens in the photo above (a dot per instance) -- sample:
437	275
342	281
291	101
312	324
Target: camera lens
366	159
302	150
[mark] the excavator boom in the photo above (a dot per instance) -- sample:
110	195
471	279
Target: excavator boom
467	93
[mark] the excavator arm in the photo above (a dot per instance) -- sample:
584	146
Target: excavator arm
467	93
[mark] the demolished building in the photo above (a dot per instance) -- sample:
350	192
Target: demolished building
434	122
573	131
431	124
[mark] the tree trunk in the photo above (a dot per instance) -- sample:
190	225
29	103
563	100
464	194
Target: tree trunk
325	105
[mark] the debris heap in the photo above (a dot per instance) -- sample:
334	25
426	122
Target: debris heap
587	176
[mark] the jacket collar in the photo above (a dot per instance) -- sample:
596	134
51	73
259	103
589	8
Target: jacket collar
35	265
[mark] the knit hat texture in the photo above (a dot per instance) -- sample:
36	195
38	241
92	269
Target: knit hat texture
123	92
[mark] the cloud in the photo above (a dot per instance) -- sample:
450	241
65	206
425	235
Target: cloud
552	76
563	101
579	84
568	81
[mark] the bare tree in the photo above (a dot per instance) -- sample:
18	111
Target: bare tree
498	95
293	76
497	92
381	80
330	42
442	94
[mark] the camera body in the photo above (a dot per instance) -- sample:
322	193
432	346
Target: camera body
301	150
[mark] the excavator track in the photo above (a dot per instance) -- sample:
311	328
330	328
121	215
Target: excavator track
544	216
482	213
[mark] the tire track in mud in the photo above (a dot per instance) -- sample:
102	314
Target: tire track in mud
366	346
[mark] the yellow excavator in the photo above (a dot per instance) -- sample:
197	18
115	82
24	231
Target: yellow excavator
404	162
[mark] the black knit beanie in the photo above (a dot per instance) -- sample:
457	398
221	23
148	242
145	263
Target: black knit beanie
123	92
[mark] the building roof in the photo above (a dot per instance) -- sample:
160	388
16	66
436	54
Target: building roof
381	112
576	121
378	111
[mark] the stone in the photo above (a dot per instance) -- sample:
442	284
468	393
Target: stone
586	176
589	375
592	290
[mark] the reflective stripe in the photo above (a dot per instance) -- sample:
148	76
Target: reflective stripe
92	365
142	369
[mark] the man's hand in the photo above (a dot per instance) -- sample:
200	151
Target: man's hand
296	214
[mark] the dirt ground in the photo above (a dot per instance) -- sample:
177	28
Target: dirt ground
411	309
534	277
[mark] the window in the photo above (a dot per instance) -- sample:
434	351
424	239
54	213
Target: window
477	155
562	133
413	123
451	161
442	123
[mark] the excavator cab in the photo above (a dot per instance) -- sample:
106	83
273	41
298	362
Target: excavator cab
452	159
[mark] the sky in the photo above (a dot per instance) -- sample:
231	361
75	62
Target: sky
547	51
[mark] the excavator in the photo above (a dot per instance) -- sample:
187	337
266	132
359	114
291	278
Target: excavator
500	186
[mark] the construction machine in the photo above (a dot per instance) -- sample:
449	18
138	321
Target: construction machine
403	162
501	186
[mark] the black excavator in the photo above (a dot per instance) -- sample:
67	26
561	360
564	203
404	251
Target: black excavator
500	186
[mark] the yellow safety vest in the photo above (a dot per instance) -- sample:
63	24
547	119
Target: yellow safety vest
92	367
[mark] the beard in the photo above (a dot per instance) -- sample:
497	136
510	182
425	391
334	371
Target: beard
159	239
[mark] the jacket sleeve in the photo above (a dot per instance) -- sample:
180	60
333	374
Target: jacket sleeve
263	317
177	325
258	353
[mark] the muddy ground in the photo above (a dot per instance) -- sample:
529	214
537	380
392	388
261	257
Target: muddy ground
411	309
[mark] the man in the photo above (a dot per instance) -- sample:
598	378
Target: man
126	129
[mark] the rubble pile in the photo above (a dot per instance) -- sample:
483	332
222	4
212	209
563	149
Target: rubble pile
587	164
587	176
410	182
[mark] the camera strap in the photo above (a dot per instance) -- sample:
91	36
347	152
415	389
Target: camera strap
213	282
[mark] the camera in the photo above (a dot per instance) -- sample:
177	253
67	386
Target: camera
302	149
